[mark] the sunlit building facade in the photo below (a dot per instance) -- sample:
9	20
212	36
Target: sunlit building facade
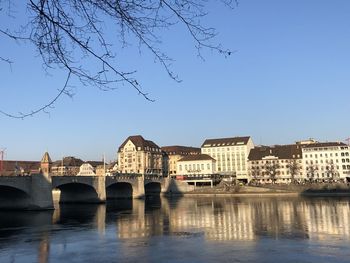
231	155
137	155
326	161
172	154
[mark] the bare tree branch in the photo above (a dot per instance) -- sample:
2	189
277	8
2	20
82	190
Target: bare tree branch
70	35
44	108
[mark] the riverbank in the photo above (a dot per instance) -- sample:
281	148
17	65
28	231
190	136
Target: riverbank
273	190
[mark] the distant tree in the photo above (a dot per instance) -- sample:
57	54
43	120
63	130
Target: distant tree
311	171
69	35
254	172
294	168
332	171
271	168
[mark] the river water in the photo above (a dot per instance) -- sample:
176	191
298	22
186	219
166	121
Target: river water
198	229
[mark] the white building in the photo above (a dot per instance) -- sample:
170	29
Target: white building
90	168
231	155
200	164
326	161
276	164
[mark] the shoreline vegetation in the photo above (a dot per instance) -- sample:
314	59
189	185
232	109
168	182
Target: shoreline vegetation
321	190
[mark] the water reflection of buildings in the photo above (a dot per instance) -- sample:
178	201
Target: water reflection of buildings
219	219
327	218
140	223
239	219
228	221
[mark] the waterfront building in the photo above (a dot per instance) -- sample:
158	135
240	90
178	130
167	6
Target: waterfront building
326	161
91	168
172	154
24	168
67	166
137	155
21	168
199	164
231	155
276	164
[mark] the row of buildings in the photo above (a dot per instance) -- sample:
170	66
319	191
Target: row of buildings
236	158
66	166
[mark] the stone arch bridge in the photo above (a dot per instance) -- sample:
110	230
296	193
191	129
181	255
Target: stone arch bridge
35	191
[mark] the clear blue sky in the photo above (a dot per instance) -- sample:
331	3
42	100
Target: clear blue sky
288	80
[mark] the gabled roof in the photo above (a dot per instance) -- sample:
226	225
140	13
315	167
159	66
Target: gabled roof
94	163
226	141
290	151
69	161
139	141
46	158
197	157
180	150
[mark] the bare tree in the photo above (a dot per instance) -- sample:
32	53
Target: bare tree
332	171
311	171
294	168
71	34
254	172
272	169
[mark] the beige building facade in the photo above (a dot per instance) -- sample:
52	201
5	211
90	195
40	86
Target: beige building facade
137	155
67	166
172	154
231	155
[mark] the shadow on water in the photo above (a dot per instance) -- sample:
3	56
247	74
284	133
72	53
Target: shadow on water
153	202
73	214
20	225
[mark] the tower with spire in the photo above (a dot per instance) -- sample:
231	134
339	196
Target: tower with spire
45	164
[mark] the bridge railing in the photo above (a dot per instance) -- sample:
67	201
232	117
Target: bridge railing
153	176
125	176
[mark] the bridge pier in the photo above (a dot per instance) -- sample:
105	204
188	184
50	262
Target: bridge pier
139	188
26	192
99	184
41	192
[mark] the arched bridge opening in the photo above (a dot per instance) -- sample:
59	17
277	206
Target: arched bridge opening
119	190
77	193
153	188
13	198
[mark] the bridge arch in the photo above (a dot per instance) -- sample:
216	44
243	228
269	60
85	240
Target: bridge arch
153	188
119	190
14	198
77	192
